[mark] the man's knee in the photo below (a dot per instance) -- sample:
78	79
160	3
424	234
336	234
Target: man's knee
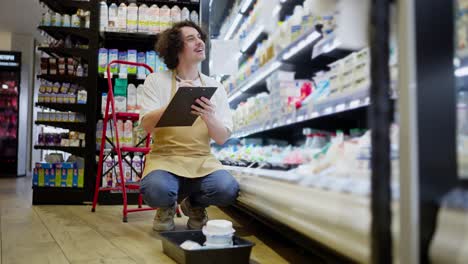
158	191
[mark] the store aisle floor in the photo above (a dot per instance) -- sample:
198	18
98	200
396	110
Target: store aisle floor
72	234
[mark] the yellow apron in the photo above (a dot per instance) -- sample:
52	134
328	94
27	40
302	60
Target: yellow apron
183	151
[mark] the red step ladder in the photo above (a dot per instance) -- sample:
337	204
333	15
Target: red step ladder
117	149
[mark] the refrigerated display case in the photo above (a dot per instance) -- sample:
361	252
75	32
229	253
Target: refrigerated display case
10	70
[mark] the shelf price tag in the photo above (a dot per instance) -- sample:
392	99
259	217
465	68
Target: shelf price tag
289	121
367	101
354	104
340	107
328	110
314	115
300	118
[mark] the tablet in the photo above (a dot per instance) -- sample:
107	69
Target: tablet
178	112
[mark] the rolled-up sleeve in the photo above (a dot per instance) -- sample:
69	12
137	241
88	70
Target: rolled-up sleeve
223	111
151	99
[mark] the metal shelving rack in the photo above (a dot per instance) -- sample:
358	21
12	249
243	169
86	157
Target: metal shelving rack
58	195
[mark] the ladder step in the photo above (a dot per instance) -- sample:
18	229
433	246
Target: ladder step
127	116
135	150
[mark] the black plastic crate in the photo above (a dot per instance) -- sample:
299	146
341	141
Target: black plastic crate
239	253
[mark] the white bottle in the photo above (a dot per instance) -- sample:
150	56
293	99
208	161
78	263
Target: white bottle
131	98
122	17
103	16
139	97
117	170
296	22
103	103
120	131
113	15
110	133
164	18
153	19
175	15
108	179
128	134
143	18
185	14
194	17
47	19
127	169
132	17
136	164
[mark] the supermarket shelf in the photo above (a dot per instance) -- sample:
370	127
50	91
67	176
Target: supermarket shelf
129	77
58	195
329	49
133	36
124	40
80	108
301	48
79	151
257	79
64	78
68	6
302	209
73	126
332	106
189	4
64	52
63	32
250	43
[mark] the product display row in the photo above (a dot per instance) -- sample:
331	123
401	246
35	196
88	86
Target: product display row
80	19
111	172
332	161
63	66
134	18
68	139
150	58
303	21
130	134
53	116
64	174
65	93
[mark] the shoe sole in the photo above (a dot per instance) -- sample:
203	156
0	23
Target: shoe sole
163	227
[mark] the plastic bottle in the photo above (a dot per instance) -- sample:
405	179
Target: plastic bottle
136	164
153	19
296	22
143	18
117	170
120	131
141	58
127	169
175	14
103	103
131	98
140	97
128	133
113	15
103	16
194	17
47	19
122	17
164	18
185	14
132	17
108	180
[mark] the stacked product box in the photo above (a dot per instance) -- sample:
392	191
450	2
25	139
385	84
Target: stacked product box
65	174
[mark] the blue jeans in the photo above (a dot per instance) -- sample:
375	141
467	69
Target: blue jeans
161	189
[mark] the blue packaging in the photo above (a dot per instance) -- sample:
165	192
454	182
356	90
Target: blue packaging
151	60
123	57
141	58
114	55
35	177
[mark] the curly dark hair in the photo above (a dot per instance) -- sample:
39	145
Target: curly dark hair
170	43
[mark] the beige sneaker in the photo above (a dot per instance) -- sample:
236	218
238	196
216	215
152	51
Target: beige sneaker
164	219
197	215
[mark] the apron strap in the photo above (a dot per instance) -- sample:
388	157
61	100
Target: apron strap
174	82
